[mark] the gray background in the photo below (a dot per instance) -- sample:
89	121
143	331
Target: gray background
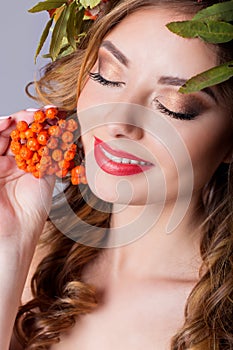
20	33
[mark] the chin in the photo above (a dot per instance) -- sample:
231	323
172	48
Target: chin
121	192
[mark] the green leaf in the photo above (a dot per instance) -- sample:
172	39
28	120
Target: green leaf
66	50
70	29
59	31
46	5
208	78
47	55
79	20
212	32
218	12
89	3
43	37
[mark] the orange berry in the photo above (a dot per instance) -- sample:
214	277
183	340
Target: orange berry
36	127
79	171
43	151
67	137
78	175
62	173
64	164
73	147
29	133
72	164
57	155
31	168
22	125
54	130
62	124
68	146
42	137
41	167
22	165
15	147
52	169
84	180
38	174
71	125
52	143
18	158
46	160
39	116
33	144
15	135
36	158
51	112
22	135
29	161
64	146
69	155
75	180
25	152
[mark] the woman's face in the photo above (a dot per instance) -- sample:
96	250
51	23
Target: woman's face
132	94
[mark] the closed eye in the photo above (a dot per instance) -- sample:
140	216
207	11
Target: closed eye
176	115
97	77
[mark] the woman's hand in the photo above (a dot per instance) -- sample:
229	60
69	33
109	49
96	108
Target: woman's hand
24	200
24	205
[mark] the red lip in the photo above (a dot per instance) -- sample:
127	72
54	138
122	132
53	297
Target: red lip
114	168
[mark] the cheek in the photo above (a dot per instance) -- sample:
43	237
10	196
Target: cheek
207	149
95	94
88	97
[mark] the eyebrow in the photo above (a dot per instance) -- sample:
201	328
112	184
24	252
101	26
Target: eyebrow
175	81
116	53
164	80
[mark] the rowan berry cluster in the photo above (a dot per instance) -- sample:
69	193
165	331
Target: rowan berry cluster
46	146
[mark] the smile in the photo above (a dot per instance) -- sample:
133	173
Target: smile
116	163
122	160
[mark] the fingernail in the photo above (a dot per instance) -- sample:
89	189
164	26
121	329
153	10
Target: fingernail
32	109
5	117
49	106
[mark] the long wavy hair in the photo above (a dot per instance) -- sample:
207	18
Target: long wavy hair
60	295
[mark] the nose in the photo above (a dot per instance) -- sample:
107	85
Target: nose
122	121
125	130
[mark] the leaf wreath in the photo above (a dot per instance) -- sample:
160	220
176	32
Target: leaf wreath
212	25
70	20
68	23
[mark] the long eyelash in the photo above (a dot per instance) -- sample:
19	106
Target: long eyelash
97	77
176	115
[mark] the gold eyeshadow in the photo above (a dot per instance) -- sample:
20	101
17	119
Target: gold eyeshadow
108	69
177	102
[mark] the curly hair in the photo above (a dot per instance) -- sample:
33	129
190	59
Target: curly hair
60	295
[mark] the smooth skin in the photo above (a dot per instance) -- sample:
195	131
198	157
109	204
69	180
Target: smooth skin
145	284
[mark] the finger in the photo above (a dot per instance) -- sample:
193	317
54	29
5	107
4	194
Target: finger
5	130
26	115
8	124
8	167
4	143
5	122
2	117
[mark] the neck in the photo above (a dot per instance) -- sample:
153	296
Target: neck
140	246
